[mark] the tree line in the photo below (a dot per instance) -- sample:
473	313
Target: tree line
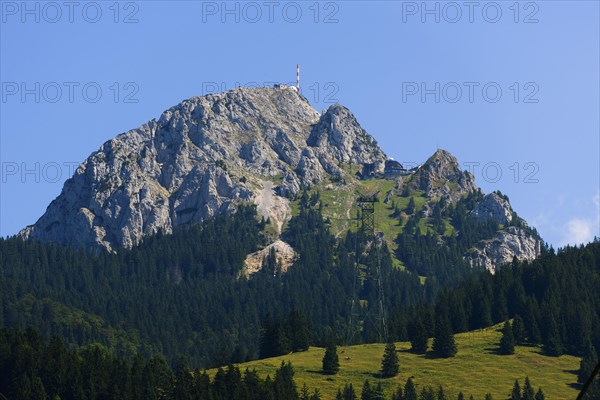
32	368
184	294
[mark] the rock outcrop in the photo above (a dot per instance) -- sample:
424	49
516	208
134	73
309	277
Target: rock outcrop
201	158
338	134
441	176
493	207
503	247
284	256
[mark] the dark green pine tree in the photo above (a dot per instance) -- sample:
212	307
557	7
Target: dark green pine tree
419	339
367	391
552	341
389	364
378	393
183	380
528	393
427	393
441	395
267	337
516	391
410	209
531	323
410	392
316	395
283	384
540	395
397	395
587	365
488	396
338	395
23	388
507	342
518	328
331	362
282	343
461	396
38	392
349	393
299	331
305	394
443	342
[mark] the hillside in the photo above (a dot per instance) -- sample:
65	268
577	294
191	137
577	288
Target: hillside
208	155
475	370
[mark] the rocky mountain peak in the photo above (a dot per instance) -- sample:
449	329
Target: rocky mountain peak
200	158
441	176
339	133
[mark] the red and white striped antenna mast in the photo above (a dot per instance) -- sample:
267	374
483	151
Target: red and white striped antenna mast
298	77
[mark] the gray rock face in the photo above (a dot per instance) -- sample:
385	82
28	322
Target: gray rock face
338	134
493	207
506	244
200	158
441	176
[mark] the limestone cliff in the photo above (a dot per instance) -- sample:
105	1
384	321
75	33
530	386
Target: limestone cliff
201	158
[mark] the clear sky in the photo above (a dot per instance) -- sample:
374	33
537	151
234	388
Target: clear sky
510	88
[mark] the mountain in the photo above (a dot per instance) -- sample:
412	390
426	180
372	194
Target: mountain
441	176
207	155
201	158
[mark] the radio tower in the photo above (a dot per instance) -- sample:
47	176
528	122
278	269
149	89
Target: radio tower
298	77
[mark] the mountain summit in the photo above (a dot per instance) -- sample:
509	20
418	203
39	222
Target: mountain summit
209	154
199	159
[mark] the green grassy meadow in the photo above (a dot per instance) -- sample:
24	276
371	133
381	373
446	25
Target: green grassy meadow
476	369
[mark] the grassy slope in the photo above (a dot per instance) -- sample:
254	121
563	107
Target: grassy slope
339	205
475	370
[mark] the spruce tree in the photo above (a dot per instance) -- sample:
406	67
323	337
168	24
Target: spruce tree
397	395
552	342
441	395
38	391
518	328
283	384
348	393
304	393
540	395
410	392
461	396
267	337
419	337
427	393
531	323
488	396
507	342
299	331
410	209
367	391
516	391
443	343
528	393
378	393
331	362
587	365
389	363
316	395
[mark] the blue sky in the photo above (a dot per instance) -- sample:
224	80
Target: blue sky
510	88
